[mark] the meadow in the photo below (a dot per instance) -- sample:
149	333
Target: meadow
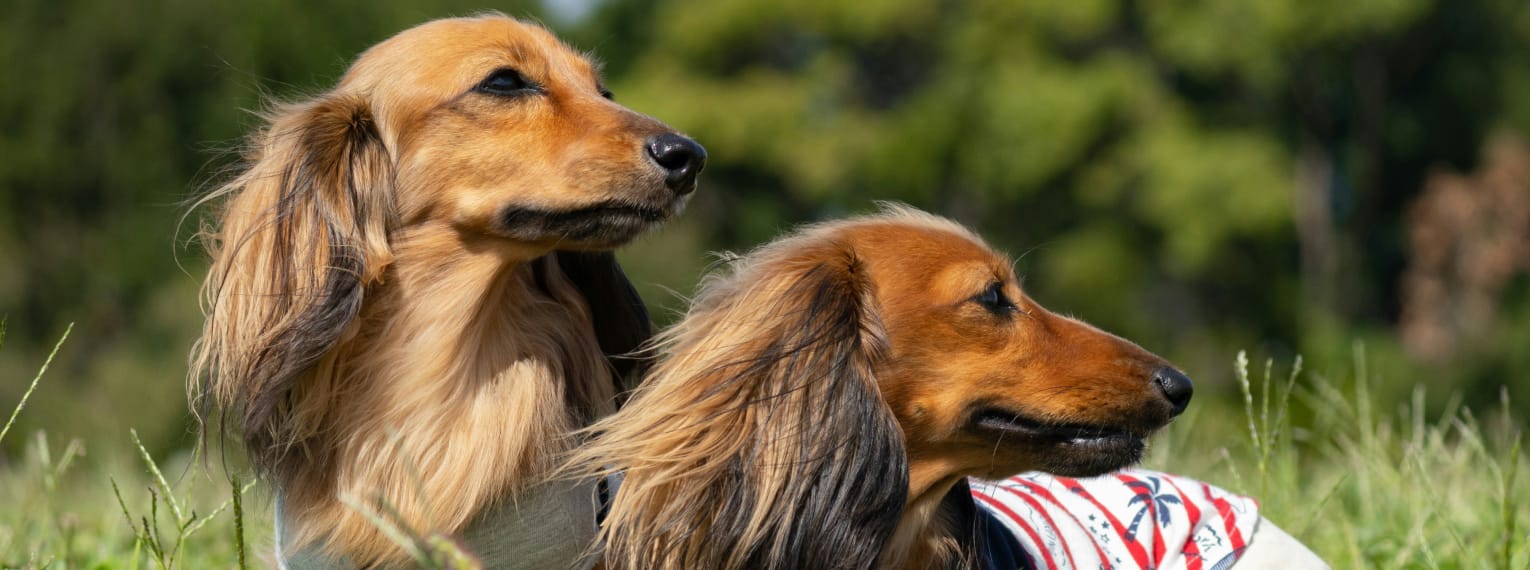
1365	484
1347	181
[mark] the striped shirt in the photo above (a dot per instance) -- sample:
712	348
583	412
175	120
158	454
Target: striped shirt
1128	519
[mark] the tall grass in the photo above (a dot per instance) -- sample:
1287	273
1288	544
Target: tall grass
59	511
1364	486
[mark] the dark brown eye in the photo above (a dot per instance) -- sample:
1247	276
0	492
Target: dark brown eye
994	300
506	82
607	93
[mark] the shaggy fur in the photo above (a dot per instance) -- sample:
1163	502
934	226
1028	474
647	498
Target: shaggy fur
827	395
412	297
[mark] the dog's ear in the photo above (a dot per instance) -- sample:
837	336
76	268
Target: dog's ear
761	439
970	531
616	311
302	232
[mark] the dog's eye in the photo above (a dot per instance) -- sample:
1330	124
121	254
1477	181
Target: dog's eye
505	81
607	94
994	300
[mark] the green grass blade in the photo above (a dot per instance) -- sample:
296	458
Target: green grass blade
1301	531
1264	402
152	542
76	448
1281	409
35	379
239	519
192	528
137	551
1241	365
169	494
1421	471
1507	506
409	543
121	503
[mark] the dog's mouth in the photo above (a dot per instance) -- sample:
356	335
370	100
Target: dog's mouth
1071	449
606	224
1013	423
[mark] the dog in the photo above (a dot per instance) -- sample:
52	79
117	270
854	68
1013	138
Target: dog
826	397
412	299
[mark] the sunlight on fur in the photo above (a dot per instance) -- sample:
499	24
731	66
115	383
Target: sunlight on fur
824	399
412	298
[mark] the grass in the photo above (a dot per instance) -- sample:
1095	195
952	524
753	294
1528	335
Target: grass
59	511
1365	487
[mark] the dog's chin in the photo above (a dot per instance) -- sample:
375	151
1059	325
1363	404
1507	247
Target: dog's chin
1072	450
602	225
1098	456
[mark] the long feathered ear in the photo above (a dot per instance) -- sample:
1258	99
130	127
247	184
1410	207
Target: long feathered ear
617	312
301	233
966	531
761	439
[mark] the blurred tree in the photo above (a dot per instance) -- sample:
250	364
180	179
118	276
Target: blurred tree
1200	176
112	115
1469	243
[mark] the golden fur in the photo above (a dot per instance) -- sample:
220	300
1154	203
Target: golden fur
411	287
826	396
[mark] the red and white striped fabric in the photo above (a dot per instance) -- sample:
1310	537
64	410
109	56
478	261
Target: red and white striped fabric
1128	519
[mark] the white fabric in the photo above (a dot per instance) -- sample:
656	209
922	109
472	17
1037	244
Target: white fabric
1273	549
1129	519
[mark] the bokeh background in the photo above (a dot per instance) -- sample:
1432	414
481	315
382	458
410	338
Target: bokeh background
1283	176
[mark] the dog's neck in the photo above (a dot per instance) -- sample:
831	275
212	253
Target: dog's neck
457	387
924	537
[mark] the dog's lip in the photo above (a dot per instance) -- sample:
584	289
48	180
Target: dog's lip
644	213
539	220
1011	422
607	223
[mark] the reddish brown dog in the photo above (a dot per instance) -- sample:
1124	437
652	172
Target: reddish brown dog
827	395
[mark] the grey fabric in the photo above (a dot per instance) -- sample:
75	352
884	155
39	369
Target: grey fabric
550	527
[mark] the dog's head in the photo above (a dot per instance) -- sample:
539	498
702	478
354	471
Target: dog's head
827	382
495	127
986	382
502	131
478	140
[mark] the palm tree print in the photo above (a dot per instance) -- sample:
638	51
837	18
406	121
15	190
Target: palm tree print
1153	503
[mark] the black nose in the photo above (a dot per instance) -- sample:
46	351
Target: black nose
1175	386
680	157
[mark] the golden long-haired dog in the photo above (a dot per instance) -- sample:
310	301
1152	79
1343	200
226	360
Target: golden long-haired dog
412	296
827	395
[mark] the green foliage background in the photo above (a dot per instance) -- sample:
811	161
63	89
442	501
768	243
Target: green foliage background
1143	160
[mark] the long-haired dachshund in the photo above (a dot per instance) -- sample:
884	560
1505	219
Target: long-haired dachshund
826	397
412	296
